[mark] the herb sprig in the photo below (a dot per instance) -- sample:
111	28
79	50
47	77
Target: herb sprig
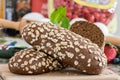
59	18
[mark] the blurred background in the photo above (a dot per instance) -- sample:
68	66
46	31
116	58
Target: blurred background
118	13
14	10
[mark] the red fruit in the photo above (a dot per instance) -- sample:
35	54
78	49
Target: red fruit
102	20
90	18
85	11
91	14
4	47
102	15
92	10
74	16
110	52
69	15
97	16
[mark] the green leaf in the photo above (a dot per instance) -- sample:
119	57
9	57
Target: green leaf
65	22
57	15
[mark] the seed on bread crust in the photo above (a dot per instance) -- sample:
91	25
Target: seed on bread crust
34	62
66	46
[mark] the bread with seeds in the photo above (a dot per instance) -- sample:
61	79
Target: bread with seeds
30	61
66	46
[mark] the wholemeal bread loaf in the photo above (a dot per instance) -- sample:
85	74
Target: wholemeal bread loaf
66	46
30	61
90	31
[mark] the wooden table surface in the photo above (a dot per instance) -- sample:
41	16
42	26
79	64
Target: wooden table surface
68	74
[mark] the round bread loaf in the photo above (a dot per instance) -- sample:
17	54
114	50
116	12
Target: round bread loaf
30	61
66	46
90	31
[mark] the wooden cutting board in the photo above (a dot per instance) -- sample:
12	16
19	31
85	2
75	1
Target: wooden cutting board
68	74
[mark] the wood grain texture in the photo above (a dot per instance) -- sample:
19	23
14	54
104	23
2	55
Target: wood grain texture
115	40
68	74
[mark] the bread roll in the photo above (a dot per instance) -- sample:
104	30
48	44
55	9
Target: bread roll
66	46
90	31
30	61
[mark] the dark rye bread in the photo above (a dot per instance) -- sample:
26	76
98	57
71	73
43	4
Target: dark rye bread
90	31
66	46
30	61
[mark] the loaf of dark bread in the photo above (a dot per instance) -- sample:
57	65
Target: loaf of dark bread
90	31
30	61
66	46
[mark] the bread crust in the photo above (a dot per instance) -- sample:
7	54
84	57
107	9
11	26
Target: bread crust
66	46
30	62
